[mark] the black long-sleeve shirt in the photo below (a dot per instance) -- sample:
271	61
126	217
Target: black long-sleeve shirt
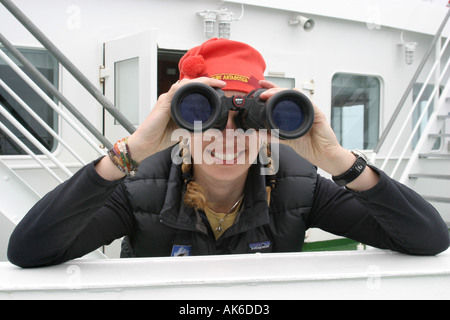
87	212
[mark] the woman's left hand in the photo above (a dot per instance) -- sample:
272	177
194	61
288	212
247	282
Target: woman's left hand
320	145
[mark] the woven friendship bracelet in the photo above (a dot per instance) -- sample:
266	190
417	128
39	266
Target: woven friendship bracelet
120	155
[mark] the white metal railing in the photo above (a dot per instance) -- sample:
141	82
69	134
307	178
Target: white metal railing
33	140
29	136
40	121
70	115
413	108
373	274
29	151
431	124
70	67
81	125
404	136
50	102
408	90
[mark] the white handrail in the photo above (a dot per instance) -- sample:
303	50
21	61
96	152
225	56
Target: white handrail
407	92
50	102
410	113
373	274
69	66
28	151
40	121
411	136
33	140
422	140
424	112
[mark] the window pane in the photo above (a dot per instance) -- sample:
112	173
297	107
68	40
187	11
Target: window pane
355	110
48	66
127	88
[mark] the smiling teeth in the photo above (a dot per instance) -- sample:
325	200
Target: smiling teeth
227	156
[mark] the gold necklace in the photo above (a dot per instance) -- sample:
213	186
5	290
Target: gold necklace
219	229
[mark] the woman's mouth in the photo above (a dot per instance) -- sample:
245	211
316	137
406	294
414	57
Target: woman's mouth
226	158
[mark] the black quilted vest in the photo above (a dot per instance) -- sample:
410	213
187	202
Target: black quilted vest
164	226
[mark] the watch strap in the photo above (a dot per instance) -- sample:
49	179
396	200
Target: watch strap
352	173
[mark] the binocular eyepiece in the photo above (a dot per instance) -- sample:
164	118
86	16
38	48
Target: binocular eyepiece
290	112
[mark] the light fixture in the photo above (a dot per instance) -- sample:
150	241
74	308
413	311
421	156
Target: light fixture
306	23
224	20
209	21
409	49
222	17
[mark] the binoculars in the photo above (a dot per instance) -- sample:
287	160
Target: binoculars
290	112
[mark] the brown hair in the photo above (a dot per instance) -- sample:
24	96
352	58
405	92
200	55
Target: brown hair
194	195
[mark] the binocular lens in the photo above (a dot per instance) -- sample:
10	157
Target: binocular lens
196	102
289	112
195	107
287	115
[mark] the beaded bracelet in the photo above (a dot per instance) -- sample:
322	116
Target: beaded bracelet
120	155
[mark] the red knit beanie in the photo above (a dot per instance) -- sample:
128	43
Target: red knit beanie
236	63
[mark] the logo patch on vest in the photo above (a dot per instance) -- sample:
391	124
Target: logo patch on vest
181	250
259	245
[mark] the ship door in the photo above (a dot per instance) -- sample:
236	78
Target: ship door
129	76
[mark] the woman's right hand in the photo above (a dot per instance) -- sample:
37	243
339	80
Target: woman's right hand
154	134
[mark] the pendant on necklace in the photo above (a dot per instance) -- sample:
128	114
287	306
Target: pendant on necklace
219	228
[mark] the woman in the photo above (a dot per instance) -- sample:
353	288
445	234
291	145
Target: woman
223	206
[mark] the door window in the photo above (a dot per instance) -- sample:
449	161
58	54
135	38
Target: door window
127	88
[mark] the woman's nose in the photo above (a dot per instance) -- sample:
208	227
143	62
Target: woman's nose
231	124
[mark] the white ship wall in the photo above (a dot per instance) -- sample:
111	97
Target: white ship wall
361	46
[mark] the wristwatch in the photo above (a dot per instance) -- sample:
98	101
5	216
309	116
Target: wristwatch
354	172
